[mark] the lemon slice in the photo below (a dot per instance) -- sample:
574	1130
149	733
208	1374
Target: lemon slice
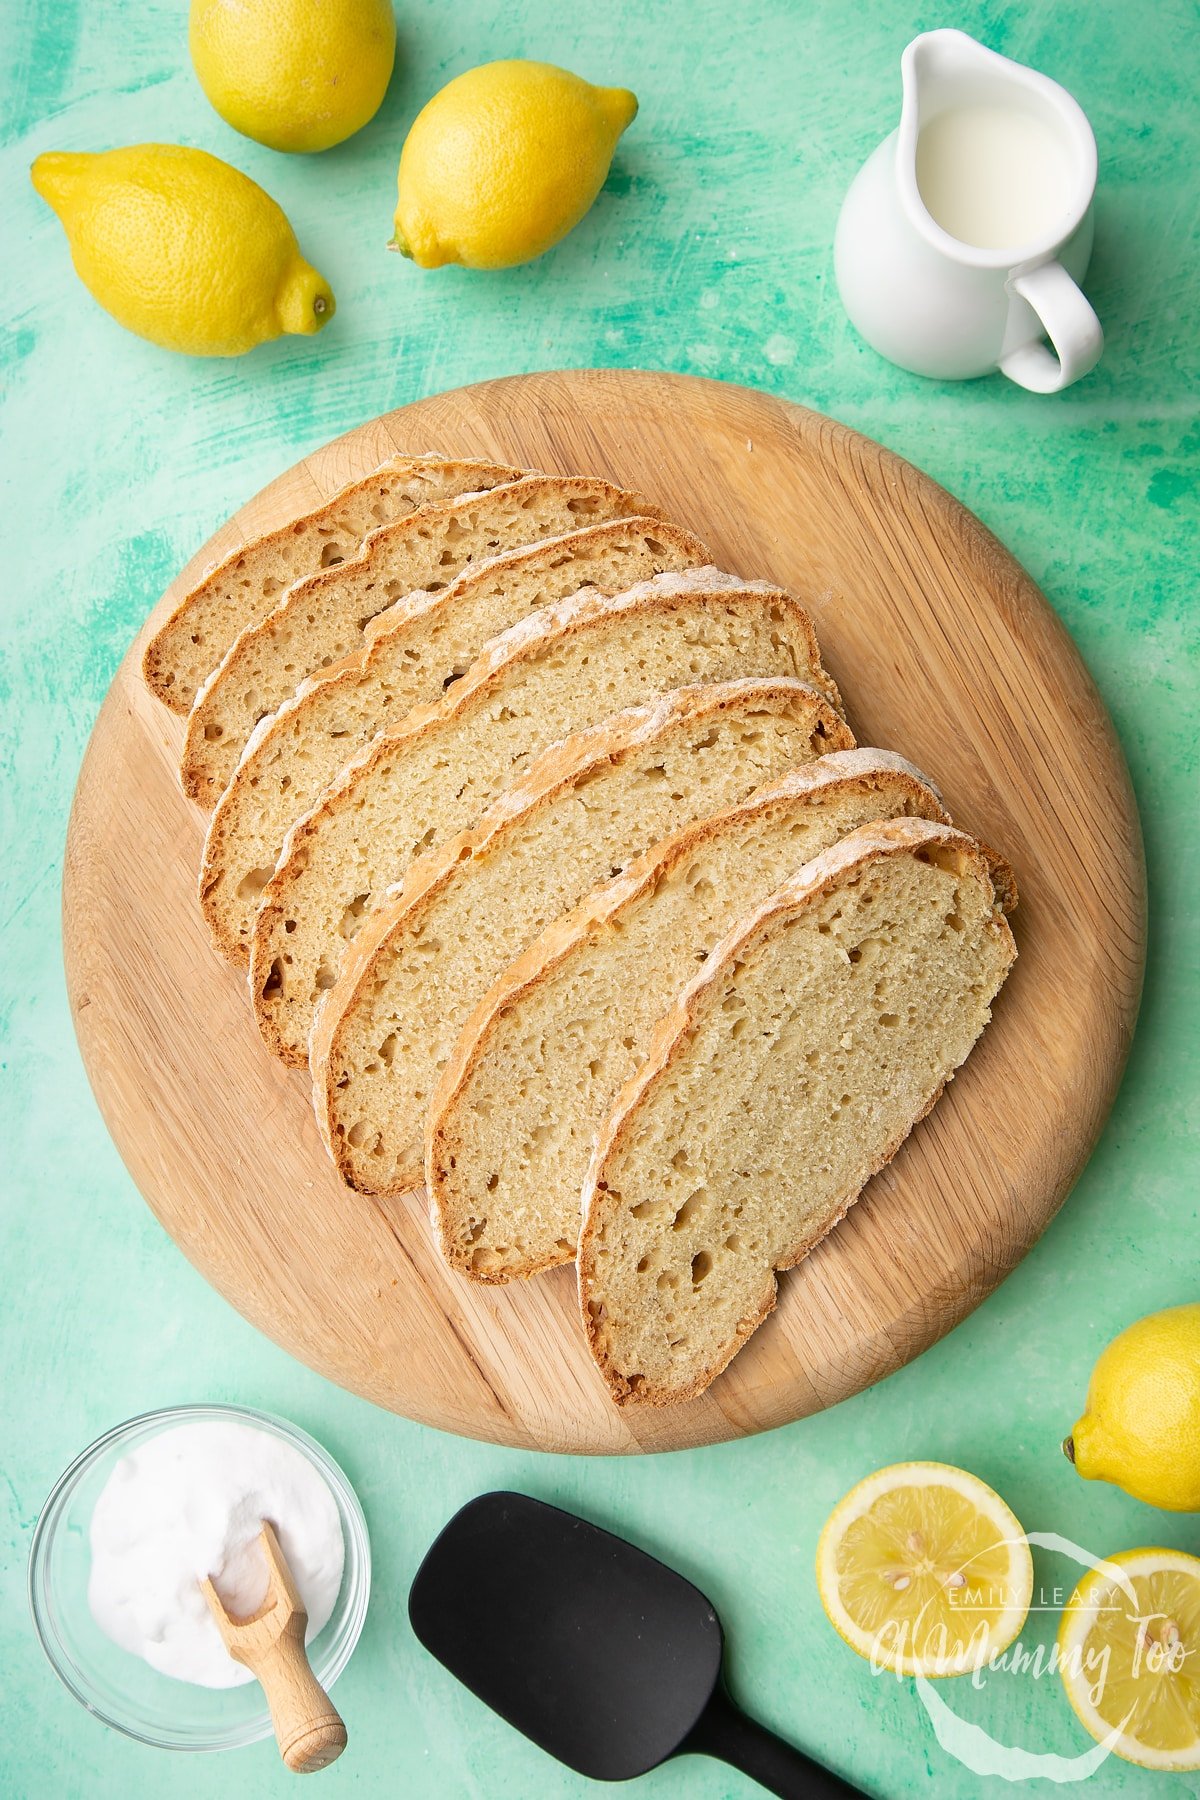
923	1569
1129	1650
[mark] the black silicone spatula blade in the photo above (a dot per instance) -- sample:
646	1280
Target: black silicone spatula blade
601	1654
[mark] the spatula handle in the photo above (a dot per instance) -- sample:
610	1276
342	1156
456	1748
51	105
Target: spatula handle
308	1726
724	1731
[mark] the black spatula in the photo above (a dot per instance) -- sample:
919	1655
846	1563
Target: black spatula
599	1653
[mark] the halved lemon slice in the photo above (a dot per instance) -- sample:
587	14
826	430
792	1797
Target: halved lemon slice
1129	1650
923	1569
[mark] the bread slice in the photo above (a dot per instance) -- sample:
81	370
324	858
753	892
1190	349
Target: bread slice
536	1069
411	659
324	617
796	1062
247	585
585	807
564	667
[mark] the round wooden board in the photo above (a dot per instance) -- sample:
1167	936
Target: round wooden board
945	650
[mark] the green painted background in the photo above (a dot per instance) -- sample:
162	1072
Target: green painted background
709	251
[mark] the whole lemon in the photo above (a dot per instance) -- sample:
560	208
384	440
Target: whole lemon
503	162
1141	1429
182	249
294	74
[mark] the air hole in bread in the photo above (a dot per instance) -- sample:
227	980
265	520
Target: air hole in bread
691	1209
649	1209
352	915
253	884
702	1264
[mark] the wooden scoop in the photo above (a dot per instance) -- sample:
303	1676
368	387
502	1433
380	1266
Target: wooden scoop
270	1644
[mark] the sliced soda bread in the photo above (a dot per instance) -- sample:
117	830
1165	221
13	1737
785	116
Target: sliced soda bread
562	668
423	960
324	617
410	659
533	1074
794	1065
246	586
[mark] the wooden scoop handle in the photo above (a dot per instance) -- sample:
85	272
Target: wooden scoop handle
308	1727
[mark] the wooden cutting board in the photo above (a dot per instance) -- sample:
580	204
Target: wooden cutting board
944	649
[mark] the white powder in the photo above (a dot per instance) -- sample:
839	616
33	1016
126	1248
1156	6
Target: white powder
190	1503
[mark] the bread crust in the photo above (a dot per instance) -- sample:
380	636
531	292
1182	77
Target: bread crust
520	646
807	783
851	856
552	774
197	773
158	656
382	636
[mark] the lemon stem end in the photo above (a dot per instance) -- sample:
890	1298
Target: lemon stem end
305	303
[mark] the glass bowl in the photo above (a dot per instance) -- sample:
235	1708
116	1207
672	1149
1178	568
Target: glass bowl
118	1687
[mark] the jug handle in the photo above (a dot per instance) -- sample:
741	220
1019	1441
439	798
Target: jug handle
1068	321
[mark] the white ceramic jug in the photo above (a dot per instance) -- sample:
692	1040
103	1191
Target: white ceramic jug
1007	160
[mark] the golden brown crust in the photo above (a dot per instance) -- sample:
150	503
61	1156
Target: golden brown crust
383	635
849	857
523	644
160	652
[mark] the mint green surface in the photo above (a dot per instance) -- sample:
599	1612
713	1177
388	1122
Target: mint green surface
709	252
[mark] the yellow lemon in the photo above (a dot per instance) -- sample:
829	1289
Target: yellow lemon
1129	1656
1141	1428
923	1569
182	249
294	74
503	162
